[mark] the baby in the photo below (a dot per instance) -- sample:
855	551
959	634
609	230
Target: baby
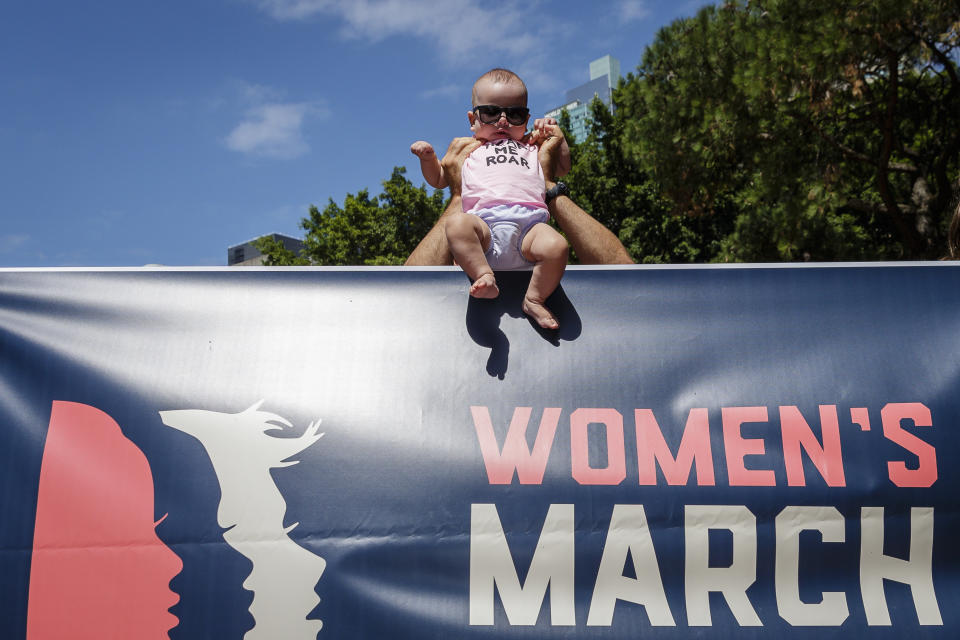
503	225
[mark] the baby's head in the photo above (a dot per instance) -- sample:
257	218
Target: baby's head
499	106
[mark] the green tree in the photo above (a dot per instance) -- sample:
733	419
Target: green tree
818	130
610	184
380	230
277	255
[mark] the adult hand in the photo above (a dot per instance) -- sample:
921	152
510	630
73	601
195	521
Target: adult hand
452	162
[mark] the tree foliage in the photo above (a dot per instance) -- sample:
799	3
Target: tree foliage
612	185
275	254
380	230
820	130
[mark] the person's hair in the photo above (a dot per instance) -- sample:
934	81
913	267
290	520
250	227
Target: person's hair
502	76
953	236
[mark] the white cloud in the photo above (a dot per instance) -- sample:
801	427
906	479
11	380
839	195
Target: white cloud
294	9
633	10
258	93
273	130
458	27
450	91
11	242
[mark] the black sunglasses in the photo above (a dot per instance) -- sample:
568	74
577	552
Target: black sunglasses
490	114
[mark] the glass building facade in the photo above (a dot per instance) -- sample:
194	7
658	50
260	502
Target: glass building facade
604	75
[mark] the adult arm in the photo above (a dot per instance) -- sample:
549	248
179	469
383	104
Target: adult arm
593	242
433	249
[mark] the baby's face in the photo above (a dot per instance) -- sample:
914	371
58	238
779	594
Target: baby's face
510	94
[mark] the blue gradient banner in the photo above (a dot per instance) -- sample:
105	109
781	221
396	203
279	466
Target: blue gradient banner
722	452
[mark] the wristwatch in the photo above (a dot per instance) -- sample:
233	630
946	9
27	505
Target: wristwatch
559	189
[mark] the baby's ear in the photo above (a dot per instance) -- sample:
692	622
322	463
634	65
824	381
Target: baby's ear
472	117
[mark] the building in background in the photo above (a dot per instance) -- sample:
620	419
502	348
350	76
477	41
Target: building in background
604	75
247	255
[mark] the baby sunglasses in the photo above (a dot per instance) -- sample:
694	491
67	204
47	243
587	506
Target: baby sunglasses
490	114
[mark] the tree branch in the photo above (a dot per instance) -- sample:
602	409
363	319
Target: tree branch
908	233
947	63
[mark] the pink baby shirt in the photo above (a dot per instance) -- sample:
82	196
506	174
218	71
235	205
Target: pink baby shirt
502	172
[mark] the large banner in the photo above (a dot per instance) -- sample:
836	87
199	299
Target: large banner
706	452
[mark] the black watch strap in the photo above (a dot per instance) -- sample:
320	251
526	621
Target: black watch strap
559	189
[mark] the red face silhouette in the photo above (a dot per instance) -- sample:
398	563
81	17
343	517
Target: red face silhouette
98	568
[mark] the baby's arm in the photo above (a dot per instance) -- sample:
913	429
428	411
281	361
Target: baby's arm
429	164
544	128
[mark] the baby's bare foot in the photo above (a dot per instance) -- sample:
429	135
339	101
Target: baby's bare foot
540	313
485	287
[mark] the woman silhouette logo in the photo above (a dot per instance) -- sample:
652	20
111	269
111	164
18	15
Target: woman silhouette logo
98	568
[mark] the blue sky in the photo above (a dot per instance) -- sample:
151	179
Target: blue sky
140	132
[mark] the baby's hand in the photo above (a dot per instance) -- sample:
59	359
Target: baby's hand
423	150
540	123
543	128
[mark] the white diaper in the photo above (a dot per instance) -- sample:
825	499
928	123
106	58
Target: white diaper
508	226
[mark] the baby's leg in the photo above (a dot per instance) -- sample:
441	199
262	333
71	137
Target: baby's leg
469	237
548	249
